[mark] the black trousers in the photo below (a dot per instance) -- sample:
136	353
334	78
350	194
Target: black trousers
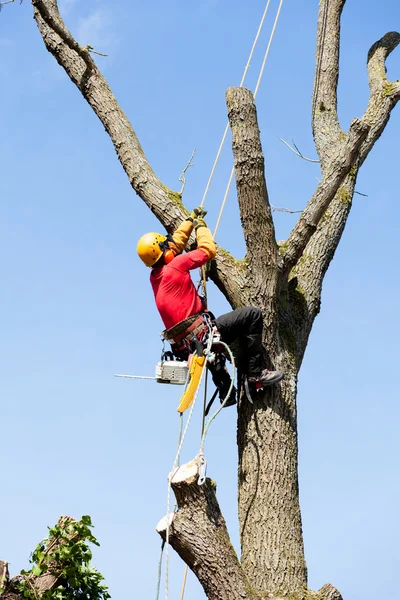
245	326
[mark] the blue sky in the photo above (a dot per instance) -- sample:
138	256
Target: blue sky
76	305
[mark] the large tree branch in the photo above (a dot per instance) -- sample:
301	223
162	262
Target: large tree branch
311	269
255	210
384	94
83	72
325	192
326	127
199	535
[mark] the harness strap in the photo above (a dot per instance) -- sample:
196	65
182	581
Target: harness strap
176	334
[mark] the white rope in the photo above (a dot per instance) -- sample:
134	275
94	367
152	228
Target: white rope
174	467
268	48
241	85
228	187
211	419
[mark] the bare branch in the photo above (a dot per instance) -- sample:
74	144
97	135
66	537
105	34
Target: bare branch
3	2
89	48
322	246
182	177
377	56
326	127
297	152
325	192
286	210
82	70
384	94
255	210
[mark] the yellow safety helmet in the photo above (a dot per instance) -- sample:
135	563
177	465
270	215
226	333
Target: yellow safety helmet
149	248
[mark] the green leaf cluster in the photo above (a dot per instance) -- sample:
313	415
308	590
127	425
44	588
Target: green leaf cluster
65	554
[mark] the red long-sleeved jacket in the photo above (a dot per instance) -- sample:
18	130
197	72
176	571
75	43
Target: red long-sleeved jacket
174	292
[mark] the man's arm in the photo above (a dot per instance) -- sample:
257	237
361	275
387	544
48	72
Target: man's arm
205	241
206	250
181	236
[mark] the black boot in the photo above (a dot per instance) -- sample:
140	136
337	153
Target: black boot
255	355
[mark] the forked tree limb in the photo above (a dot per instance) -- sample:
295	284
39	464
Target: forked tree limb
325	192
384	95
199	535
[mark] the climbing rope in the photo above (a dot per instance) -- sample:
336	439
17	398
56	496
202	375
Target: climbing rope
228	187
181	439
159	570
211	419
241	85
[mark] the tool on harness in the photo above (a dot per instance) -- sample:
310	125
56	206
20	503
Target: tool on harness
197	364
168	370
191	341
171	371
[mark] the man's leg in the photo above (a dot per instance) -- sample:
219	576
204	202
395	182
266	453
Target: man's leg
245	325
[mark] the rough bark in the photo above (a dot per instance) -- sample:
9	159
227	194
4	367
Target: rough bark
272	554
285	284
255	210
269	511
326	127
199	535
252	194
335	174
310	269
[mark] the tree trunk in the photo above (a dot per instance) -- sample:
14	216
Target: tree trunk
269	511
285	282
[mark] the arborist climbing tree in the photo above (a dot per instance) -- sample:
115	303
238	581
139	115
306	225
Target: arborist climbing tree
282	280
184	313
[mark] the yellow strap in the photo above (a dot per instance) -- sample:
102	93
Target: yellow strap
197	365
